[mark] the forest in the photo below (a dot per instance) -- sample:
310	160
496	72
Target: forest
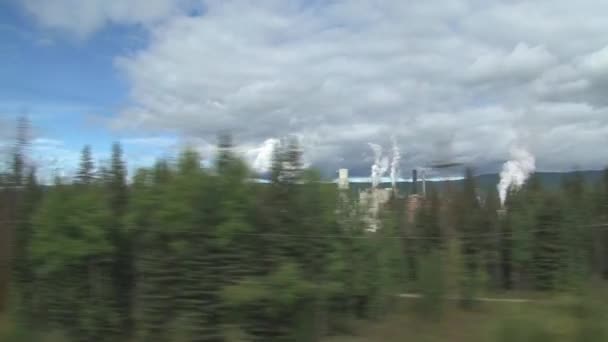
182	252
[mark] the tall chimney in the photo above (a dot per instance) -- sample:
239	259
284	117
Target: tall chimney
414	181
343	179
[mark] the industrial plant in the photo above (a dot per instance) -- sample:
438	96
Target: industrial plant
372	199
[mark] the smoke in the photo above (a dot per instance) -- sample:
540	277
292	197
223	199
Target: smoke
395	164
263	159
515	172
380	164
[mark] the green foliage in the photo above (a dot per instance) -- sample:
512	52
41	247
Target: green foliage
471	226
431	286
71	256
117	182
591	316
22	264
189	253
86	170
60	240
524	329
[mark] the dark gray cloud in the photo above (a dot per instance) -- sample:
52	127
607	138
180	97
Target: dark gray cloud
457	79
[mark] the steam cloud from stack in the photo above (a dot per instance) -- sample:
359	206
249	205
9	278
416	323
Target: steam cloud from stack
515	172
395	164
380	164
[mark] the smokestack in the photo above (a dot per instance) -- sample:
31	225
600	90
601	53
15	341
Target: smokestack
423	183
414	181
343	179
395	165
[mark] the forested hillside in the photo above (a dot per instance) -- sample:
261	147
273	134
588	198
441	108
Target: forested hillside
188	253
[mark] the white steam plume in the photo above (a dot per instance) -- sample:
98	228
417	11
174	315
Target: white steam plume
515	172
380	164
395	164
263	159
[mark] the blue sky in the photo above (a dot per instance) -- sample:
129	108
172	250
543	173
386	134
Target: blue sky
61	84
66	85
460	80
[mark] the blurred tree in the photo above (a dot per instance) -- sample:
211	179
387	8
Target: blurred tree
471	228
31	196
19	154
14	209
547	245
491	242
117	181
72	259
428	224
86	170
114	179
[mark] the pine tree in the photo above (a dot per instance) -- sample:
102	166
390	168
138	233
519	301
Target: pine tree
20	150
72	259
471	230
491	243
155	273
235	212
85	174
427	224
5	236
118	181
31	196
13	197
599	237
547	251
114	179
578	244
280	303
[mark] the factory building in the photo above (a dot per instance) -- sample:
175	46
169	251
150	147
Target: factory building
374	198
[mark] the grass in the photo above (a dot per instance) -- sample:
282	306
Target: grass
547	320
557	318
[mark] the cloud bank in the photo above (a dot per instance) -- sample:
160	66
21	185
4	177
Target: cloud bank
462	80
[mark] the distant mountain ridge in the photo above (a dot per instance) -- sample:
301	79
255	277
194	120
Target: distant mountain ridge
485	182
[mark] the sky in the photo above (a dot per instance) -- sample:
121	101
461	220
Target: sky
449	80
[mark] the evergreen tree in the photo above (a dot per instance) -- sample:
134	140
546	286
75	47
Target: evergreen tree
547	250
600	236
72	259
117	175
31	196
428	225
577	242
491	242
114	179
189	253
19	151
290	295
85	174
471	228
13	207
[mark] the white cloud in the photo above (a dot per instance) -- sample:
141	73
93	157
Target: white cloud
596	63
83	17
457	79
522	62
163	142
51	157
47	142
341	74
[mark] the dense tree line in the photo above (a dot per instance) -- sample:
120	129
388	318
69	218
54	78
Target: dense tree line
183	252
